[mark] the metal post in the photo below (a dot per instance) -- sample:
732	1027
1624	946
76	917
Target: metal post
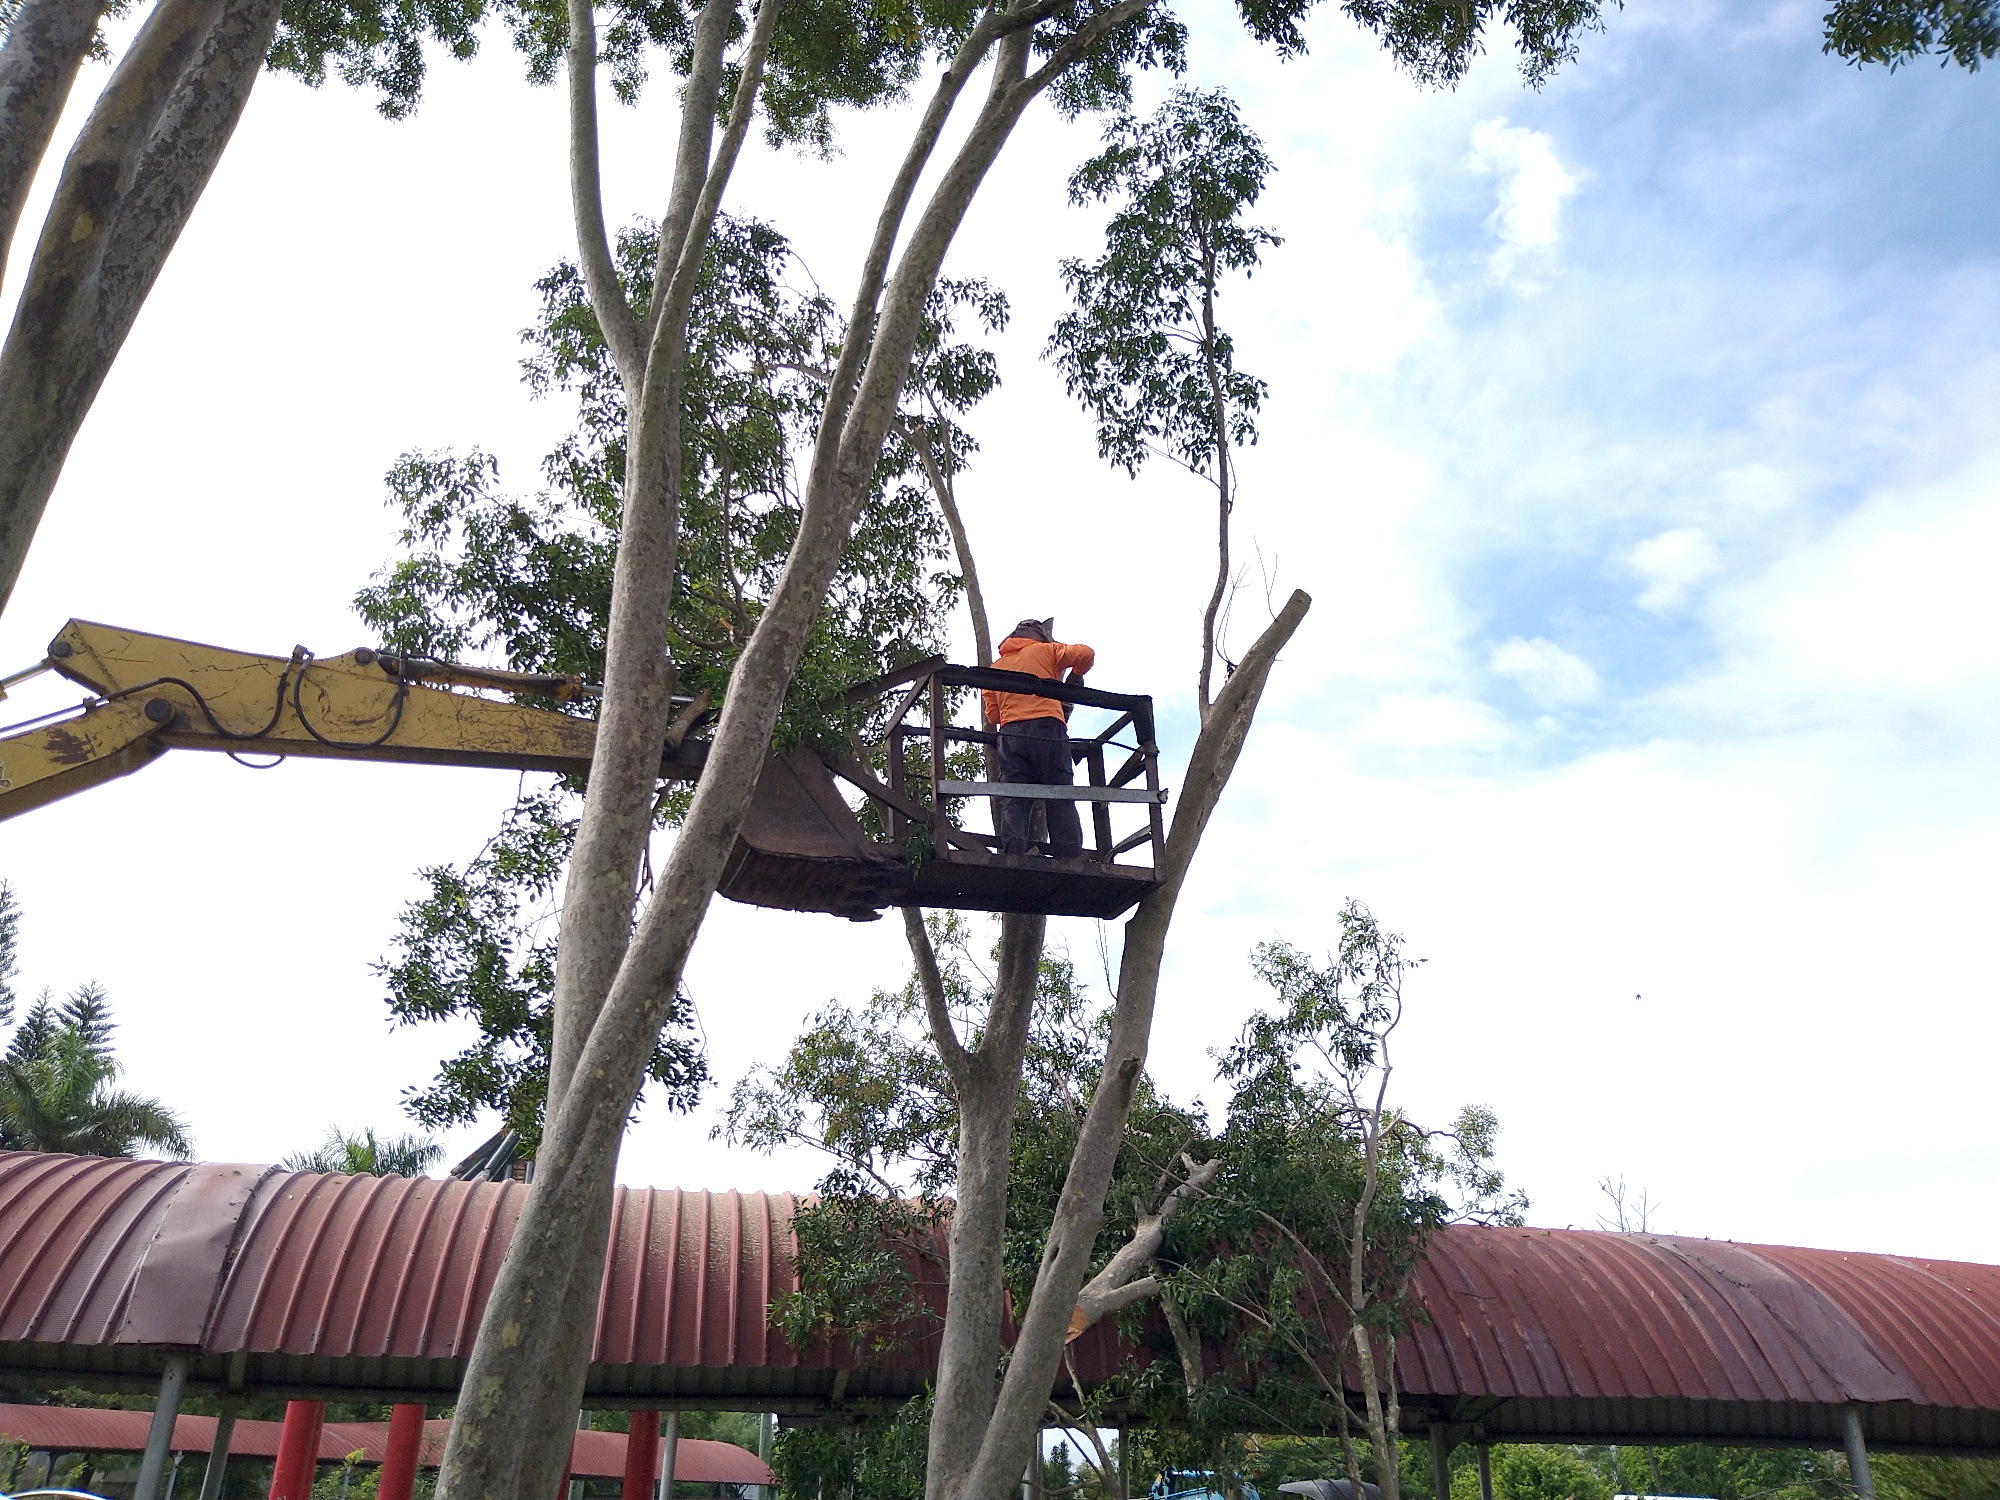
160	1436
767	1432
1857	1452
670	1442
218	1451
1440	1462
642	1455
939	843
399	1460
1485	1455
298	1450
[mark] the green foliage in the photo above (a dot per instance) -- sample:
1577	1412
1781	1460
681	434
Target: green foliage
481	945
362	1155
1541	1471
1256	1266
824	54
864	1085
57	1086
1142	349
1912	1476
1966	32
10	938
1327	1198
349	1480
1436	41
528	579
881	1459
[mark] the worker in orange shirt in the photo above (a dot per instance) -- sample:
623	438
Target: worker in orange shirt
1034	735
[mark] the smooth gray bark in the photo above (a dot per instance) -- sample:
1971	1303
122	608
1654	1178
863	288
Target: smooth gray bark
46	45
1037	1353
987	1081
601	886
528	1359
523	1367
126	191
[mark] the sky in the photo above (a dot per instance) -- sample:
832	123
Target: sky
1634	438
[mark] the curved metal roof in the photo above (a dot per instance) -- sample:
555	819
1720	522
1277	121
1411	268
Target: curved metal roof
313	1284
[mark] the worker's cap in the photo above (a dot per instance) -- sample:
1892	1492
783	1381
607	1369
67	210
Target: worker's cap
1040	630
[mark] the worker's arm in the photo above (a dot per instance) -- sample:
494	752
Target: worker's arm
1077	660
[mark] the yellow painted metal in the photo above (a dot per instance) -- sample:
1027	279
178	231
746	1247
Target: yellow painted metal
209	698
49	761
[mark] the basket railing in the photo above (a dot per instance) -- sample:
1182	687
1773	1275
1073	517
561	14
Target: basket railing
922	714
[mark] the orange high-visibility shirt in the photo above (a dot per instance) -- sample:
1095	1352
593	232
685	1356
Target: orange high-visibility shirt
1021	653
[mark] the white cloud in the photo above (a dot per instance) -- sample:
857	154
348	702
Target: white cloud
1672	563
1534	184
1546	672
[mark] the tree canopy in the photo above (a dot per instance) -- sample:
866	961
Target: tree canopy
528	578
1251	1277
58	1087
1895	32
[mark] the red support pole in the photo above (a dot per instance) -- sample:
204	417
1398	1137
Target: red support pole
642	1456
298	1450
399	1463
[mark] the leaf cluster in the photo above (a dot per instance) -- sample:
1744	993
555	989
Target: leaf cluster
529	578
825	54
1141	347
58	1086
1895	32
882	1459
1328	1196
864	1085
362	1155
480	944
487	573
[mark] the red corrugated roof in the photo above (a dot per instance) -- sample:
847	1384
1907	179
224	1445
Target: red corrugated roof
304	1283
594	1455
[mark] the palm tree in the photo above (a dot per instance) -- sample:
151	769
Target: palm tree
57	1093
364	1156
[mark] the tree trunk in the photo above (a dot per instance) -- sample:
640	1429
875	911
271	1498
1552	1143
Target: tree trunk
46	45
529	1358
126	192
1044	1327
988	1085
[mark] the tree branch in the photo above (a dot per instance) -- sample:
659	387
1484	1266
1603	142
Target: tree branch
917	435
930	979
586	193
691	158
46	45
1113	1287
854	348
127	188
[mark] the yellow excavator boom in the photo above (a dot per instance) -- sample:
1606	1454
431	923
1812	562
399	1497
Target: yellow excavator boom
801	847
154	693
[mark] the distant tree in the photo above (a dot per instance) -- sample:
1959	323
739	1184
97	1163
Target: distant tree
362	1155
1261	1244
1327	1201
57	1087
1143	349
1916	1476
1544	1471
10	936
1895	32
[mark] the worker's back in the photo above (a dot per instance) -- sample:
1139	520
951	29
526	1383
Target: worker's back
1036	658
